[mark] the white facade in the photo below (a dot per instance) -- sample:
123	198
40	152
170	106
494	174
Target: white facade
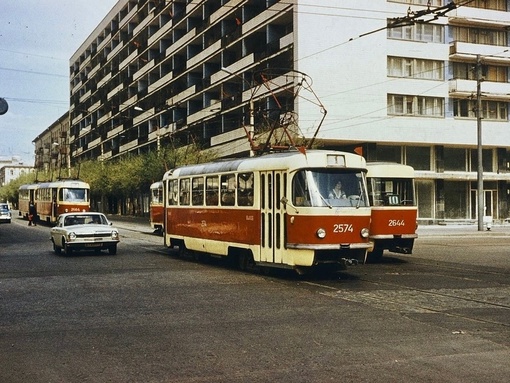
155	73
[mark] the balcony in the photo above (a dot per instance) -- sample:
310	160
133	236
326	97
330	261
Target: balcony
478	17
491	54
491	91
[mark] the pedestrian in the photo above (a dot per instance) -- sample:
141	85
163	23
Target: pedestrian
32	214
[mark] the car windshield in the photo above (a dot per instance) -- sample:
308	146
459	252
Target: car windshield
84	219
4	208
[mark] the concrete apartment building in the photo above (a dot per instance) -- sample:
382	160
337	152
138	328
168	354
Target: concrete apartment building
399	79
52	149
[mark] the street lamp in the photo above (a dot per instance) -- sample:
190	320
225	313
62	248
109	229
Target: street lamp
481	196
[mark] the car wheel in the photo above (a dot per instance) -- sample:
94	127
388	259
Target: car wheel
112	250
67	249
56	249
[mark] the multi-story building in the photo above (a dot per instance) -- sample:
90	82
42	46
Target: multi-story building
52	149
401	80
12	168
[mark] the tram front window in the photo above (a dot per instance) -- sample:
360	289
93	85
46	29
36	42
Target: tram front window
391	191
74	195
329	188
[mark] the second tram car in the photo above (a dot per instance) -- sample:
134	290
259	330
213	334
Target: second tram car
54	198
275	210
394	210
156	206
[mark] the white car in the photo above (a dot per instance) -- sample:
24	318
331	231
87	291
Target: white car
84	231
5	213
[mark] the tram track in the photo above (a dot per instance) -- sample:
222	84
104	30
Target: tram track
477	300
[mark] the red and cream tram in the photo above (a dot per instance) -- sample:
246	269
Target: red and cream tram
54	198
156	206
394	211
274	210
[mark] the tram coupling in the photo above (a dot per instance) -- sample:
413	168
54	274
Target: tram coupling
350	262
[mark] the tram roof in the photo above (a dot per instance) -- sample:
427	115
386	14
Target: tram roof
389	169
275	161
60	183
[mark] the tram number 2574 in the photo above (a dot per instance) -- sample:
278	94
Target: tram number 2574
396	222
343	228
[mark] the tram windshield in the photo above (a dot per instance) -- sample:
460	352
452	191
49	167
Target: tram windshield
391	191
329	188
73	195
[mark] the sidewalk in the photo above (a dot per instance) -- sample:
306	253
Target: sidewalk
142	224
462	230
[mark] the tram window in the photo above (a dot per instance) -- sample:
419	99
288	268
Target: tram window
228	185
172	192
197	191
184	192
76	195
212	191
245	189
300	195
157	196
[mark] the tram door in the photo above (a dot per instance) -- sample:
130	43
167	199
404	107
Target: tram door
273	186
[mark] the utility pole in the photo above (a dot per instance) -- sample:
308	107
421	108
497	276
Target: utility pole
481	195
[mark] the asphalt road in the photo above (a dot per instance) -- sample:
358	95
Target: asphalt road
145	315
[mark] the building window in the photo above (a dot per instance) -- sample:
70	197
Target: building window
487	161
455	159
431	33
418	157
491	110
408	105
467	71
435	3
480	36
389	153
498	5
415	68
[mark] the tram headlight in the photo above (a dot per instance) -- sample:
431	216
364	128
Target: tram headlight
364	233
321	233
72	235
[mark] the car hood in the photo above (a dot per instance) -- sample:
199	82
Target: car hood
90	228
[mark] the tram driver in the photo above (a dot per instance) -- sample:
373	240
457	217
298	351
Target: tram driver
337	192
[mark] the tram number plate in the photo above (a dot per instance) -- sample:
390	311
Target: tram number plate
396	222
343	228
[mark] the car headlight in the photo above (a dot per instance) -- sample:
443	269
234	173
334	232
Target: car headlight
321	233
72	235
364	232
115	235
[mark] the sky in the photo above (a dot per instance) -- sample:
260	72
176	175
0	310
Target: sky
37	39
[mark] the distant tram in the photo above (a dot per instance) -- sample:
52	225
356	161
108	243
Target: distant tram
274	210
54	198
156	206
394	211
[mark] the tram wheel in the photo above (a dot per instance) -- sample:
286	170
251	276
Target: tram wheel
183	251
246	261
375	255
